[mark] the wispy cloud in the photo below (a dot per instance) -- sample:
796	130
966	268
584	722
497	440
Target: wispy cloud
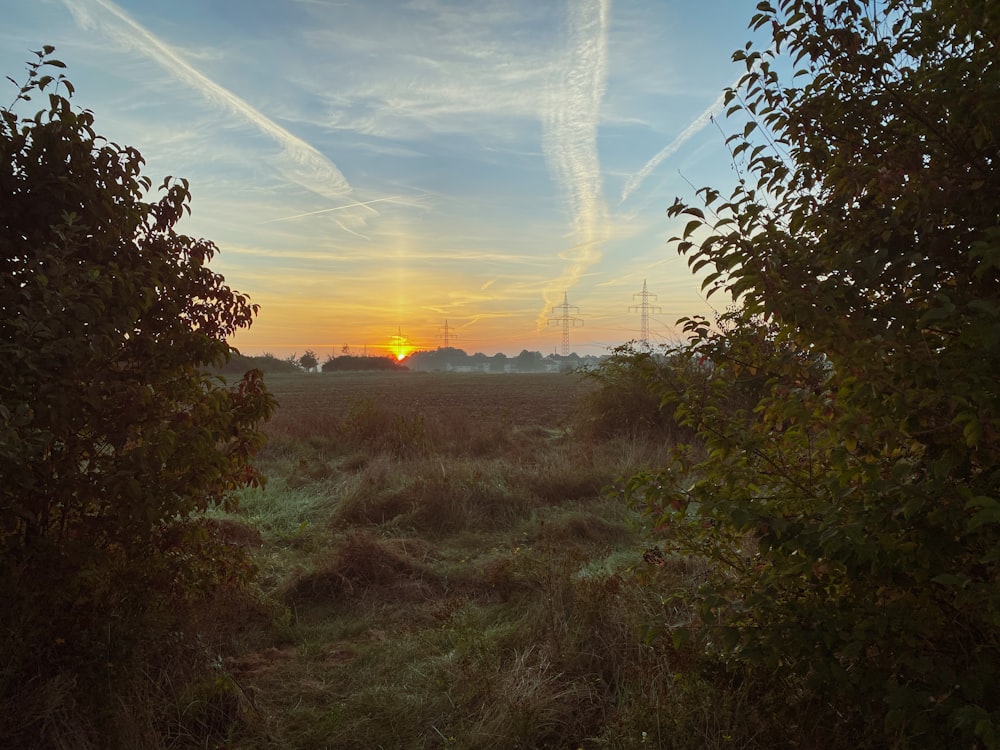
299	162
335	208
697	125
570	139
362	254
432	68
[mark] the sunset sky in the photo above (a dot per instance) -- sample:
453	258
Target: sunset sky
375	167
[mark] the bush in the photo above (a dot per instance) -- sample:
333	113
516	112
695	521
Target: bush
851	511
625	404
112	432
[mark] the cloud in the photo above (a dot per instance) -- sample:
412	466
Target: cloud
696	126
429	68
335	208
570	140
299	161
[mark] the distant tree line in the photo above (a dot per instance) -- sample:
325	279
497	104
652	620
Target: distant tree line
446	359
266	363
351	363
450	359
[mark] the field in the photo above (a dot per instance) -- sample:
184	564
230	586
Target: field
442	564
519	399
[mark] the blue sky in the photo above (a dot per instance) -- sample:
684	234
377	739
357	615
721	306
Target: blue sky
374	166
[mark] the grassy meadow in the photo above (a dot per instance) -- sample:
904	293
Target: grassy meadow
442	563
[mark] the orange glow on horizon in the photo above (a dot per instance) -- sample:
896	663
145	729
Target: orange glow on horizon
400	350
400	346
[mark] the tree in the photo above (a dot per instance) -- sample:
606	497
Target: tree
309	361
529	361
853	513
349	363
113	434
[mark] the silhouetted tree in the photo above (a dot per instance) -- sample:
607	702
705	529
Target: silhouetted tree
112	432
308	360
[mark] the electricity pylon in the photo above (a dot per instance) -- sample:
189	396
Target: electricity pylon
447	334
567	319
644	309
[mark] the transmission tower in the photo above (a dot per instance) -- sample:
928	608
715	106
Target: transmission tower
447	334
567	319
644	309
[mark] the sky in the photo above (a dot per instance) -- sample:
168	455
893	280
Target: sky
381	174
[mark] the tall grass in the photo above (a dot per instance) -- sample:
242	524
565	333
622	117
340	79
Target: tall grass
446	580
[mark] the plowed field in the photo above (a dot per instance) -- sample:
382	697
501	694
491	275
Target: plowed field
550	400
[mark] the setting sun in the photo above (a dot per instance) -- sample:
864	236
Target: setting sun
400	346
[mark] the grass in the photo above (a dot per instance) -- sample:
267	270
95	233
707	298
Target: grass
441	567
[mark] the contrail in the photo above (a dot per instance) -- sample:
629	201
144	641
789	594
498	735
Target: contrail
309	168
696	126
335	208
570	138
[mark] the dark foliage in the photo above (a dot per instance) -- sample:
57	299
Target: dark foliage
112	432
350	363
852	512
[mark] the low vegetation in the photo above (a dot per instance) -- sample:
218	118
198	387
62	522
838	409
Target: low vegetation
444	561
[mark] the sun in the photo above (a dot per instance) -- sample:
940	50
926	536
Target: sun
400	346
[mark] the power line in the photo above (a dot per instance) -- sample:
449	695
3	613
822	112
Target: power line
567	319
645	309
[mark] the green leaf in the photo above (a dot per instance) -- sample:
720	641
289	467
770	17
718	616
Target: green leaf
691	227
681	637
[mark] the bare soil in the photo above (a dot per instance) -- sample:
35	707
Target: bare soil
522	399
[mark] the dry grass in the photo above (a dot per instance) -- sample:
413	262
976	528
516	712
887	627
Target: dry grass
360	563
445	571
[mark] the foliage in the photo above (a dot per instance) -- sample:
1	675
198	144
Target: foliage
351	363
267	363
623	402
112	433
852	513
308	360
529	361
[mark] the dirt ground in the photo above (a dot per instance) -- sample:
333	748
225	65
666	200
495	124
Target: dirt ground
522	399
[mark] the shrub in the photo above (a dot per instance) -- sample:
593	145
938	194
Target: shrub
625	404
112	432
850	511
